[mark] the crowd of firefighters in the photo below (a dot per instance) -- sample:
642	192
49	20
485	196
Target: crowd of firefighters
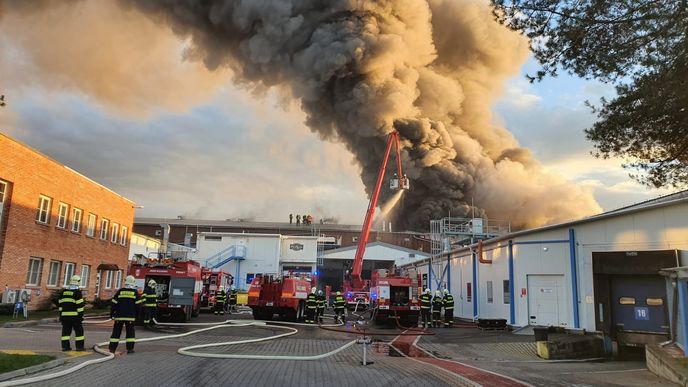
126	305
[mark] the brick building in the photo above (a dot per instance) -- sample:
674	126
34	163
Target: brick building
55	222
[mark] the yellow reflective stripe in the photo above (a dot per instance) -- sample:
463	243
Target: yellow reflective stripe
126	296
125	319
69	314
80	301
139	301
150	305
114	301
67	293
131	340
65	337
79	338
114	340
80	309
60	309
67	300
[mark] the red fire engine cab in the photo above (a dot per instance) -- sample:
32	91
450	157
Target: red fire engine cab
285	296
178	285
212	280
395	296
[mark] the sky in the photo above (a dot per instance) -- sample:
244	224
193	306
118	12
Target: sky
131	112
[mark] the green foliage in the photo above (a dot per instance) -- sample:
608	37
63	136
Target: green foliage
10	362
642	47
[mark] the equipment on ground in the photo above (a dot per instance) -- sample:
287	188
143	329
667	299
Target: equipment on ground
392	295
285	296
178	285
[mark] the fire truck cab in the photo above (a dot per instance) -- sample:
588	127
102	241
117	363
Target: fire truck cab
178	285
395	296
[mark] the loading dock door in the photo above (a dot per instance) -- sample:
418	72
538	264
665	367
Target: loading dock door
638	304
547	304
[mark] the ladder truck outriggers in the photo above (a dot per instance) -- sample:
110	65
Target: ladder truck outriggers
391	295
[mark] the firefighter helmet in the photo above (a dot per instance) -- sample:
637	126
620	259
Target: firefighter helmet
75	280
151	283
446	291
438	293
339	293
320	292
427	291
222	288
314	290
130	281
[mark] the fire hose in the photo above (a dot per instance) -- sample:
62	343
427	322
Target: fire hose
188	350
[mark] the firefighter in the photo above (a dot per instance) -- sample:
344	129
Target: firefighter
425	302
71	307
220	298
124	309
311	304
437	309
232	299
150	303
448	303
321	302
339	304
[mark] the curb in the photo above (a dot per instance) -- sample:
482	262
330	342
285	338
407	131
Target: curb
24	323
32	369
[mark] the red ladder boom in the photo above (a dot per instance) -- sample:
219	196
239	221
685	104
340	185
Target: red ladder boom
356	281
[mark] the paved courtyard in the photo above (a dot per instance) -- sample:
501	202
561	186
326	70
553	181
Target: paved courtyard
462	356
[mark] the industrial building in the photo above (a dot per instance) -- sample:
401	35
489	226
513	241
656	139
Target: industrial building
186	231
599	274
54	223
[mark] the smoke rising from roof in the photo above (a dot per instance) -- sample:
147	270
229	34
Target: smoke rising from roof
360	69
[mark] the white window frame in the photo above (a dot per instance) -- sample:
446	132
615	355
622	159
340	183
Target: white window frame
69	268
45	204
114	234
3	196
91	226
104	227
32	270
62	214
77	214
57	265
123	238
85	272
108	279
118	280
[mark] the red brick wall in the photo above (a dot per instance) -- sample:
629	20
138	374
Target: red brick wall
21	236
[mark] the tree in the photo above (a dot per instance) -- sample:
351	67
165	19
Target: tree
641	46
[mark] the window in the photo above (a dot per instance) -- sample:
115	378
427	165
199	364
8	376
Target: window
115	232
76	220
249	278
3	195
212	238
123	239
469	292
43	213
91	226
33	277
490	297
68	273
54	275
627	301
654	301
108	279
354	239
104	224
85	272
506	291
118	281
62	215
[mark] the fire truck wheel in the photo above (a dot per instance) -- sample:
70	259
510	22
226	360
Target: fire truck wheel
196	311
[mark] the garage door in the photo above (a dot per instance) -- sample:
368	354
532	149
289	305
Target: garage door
638	304
547	303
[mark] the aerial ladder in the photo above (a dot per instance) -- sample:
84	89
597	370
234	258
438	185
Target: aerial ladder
357	290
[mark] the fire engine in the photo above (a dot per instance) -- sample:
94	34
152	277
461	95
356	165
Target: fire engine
390	295
212	280
178	286
285	296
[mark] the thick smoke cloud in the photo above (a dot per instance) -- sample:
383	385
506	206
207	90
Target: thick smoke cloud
360	69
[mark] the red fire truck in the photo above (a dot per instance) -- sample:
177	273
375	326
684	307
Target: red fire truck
285	296
178	285
395	296
212	280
